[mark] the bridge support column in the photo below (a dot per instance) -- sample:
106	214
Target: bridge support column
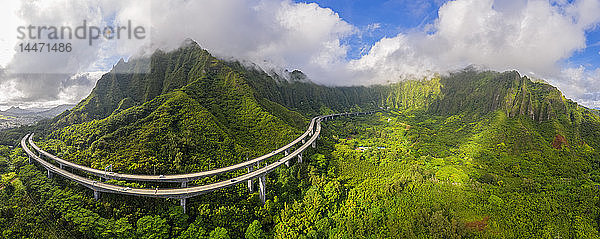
287	163
183	184
96	195
250	185
262	184
30	160
303	141
182	202
314	144
49	173
300	157
61	166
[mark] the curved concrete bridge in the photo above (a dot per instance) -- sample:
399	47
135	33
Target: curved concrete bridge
185	192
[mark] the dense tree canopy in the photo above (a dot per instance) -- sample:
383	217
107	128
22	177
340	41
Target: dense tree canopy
465	155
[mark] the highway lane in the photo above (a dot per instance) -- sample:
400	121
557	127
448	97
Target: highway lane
176	193
172	177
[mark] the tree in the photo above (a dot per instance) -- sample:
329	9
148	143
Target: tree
152	227
255	231
219	233
194	231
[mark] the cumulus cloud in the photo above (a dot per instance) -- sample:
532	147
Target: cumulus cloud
273	34
46	77
46	90
269	33
581	84
8	12
533	37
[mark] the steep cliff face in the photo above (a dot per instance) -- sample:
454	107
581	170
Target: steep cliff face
141	80
468	91
479	93
189	112
539	101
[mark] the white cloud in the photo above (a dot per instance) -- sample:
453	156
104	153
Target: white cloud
536	38
8	12
582	85
533	37
41	78
267	32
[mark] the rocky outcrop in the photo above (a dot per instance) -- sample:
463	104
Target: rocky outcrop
559	142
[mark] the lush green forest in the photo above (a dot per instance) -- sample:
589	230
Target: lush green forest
466	155
397	174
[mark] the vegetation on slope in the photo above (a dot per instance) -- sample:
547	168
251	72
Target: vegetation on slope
409	175
472	154
204	115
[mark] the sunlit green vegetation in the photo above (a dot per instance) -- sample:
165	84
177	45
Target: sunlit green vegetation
469	155
446	177
397	174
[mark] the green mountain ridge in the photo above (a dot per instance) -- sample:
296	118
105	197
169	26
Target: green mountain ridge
191	112
238	100
472	154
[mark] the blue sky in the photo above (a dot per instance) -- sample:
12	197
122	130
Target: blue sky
391	16
590	56
403	16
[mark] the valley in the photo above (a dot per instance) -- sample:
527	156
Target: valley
472	154
290	119
15	117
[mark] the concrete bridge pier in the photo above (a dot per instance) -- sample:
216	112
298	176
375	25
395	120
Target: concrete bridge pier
300	157
96	195
303	141
286	152
49	173
314	144
30	159
262	184
184	184
182	202
250	185
61	166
